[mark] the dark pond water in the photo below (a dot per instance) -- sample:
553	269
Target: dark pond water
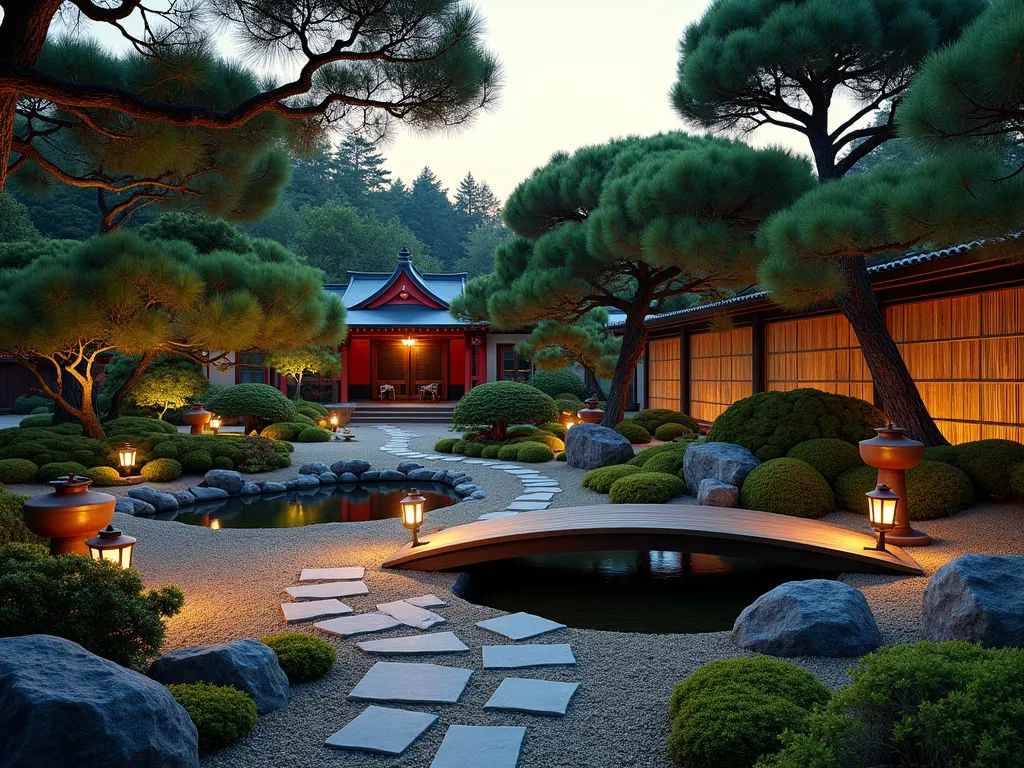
651	592
338	504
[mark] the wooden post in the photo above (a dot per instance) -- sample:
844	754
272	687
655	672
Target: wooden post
468	343
343	394
684	370
758	358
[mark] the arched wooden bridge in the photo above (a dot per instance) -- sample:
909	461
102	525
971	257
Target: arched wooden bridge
682	528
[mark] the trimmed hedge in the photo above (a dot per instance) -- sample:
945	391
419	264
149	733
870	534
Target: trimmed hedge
222	714
787	487
103	477
473	450
670	432
646	488
934	490
559	382
314	435
770	424
258	401
12	522
445	445
134	425
490	451
509	452
315	411
56	469
223	462
944	453
302	657
652	418
500	404
160	470
829	456
533	453
295	432
460	446
17	471
601	479
40	420
196	462
306	421
555	428
988	464
633	432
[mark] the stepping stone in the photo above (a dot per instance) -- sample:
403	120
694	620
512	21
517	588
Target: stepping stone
474	461
480	746
431	457
541	484
333	589
538	697
487	463
522	471
332	574
506	466
492	515
528	506
419	683
437	642
415	455
518	656
411	615
519	626
452	458
347	626
426	601
309	610
382	730
545	496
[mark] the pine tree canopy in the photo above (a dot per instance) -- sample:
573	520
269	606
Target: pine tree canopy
749	63
554	345
205	234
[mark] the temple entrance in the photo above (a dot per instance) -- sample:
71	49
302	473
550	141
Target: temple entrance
409	369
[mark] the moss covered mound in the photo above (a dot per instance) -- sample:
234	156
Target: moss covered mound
988	463
445	445
302	657
601	479
533	453
162	470
222	714
652	418
633	432
672	431
787	487
831	457
646	488
17	471
934	489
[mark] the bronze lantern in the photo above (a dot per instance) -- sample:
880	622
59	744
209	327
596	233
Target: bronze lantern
892	453
413	507
69	514
882	506
112	546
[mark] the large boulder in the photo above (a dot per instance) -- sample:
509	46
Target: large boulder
314	468
303	482
724	462
269	486
714	493
817	617
160	501
589	446
976	598
63	706
249	665
355	466
225	479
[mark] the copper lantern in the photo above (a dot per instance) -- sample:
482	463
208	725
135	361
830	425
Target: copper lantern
69	514
112	546
126	458
882	506
413	507
892	453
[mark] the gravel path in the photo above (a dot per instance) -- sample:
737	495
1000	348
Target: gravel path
233	580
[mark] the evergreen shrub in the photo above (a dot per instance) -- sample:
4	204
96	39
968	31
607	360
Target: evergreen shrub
672	431
103	477
12	525
787	487
669	462
133	425
314	435
934	490
521	430
501	403
259	454
552	442
315	411
533	453
39	420
222	714
568	405
17	471
633	432
302	657
601	479
647	454
261	402
473	450
555	428
28	403
158	470
196	462
831	457
988	464
509	452
944	453
646	488
490	451
652	418
445	445
560	382
223	462
55	469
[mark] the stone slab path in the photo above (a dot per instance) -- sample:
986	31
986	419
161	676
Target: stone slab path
480	746
411	615
361	624
308	610
538	697
332	589
382	730
437	642
520	626
332	574
519	656
413	683
426	601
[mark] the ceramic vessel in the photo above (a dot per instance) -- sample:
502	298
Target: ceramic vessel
69	515
591	414
197	418
892	453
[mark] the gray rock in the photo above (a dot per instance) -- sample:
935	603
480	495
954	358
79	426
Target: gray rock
269	486
225	479
348	477
477	495
208	494
467	489
314	468
817	617
421	474
405	467
391	475
249	489
725	462
714	493
63	706
369	475
978	599
458	478
160	501
249	665
327	478
439	476
124	506
304	481
355	466
185	499
589	446
139	507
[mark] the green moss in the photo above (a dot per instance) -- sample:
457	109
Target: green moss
559	382
509	452
313	410
646	488
302	657
787	487
534	453
196	463
633	432
160	470
934	490
53	470
670	462
222	714
445	445
314	435
168	449
103	477
224	462
490	451
17	471
670	432
305	421
652	418
601	479
282	431
552	442
988	464
944	453
649	453
831	457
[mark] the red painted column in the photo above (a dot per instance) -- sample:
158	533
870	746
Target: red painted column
344	373
469	365
282	383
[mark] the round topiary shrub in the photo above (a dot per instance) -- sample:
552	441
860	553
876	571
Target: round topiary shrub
314	435
491	451
168	449
944	453
17	471
934	489
646	488
652	418
305	421
831	457
669	462
222	714
534	453
1017	481
633	432
133	425
445	445
672	431
223	462
255	403
601	479
552	442
315	411
39	420
520	430
12	522
500	403
568	405
554	428
29	403
787	487
473	450
729	713
988	464
770	424
649	453
196	463
509	452
559	382
302	657
460	446
103	477
55	469
159	470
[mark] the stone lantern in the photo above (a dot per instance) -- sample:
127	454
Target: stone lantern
892	453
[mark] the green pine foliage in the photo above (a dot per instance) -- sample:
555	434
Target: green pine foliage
787	487
831	457
204	233
302	657
15	222
222	714
602	478
560	381
498	404
934	490
587	343
646	488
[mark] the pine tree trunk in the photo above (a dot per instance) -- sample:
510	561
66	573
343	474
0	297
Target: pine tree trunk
899	393
76	406
117	399
634	337
298	387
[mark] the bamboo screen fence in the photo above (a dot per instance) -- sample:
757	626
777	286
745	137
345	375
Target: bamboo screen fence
720	371
819	352
663	373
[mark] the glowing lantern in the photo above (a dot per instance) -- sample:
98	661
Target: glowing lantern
113	546
882	504
408	341
215	424
126	458
412	514
334	422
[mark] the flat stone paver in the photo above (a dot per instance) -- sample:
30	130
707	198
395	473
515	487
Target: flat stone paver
331	589
420	683
437	642
382	730
411	615
480	746
426	601
519	656
346	626
538	697
351	573
522	472
543	496
528	506
453	458
505	466
519	626
492	515
308	610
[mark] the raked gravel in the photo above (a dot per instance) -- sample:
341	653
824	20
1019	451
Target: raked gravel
234	580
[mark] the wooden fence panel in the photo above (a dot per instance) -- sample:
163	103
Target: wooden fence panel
819	352
663	373
721	371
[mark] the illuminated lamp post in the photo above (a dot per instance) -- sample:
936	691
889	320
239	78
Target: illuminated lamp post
882	506
215	423
412	514
892	454
113	546
126	458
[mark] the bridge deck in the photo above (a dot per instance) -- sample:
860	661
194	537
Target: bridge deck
682	528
